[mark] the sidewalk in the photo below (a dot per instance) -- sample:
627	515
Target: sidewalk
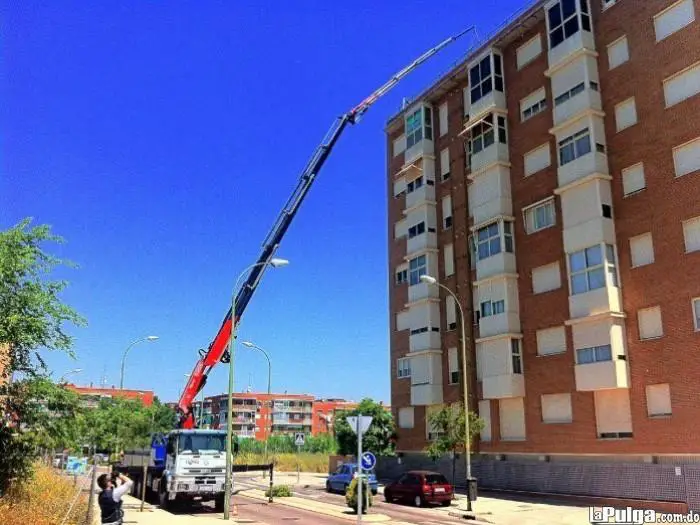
154	516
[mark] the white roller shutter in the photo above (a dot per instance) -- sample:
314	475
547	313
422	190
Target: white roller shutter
546	278
453	365
485	415
673	19
682	85
399	145
444	162
512	418
556	408
612	411
448	253
691	233
406	417
642	250
659	400
650	323
626	114
537	159
442	117
529	51
686	158
633	179
446	210
551	341
451	312
618	52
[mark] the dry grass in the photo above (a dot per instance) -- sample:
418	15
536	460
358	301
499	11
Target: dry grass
317	463
44	500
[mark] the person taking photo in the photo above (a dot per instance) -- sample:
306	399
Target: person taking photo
110	498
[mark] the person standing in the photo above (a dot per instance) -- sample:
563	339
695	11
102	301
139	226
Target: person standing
110	498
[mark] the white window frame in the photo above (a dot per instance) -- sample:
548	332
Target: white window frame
414	127
414	184
500	234
614	43
490	79
599	354
695	308
576	141
669	8
420	268
639	323
401	276
620	128
685	239
516	356
627	170
607	265
403	367
533	209
417	229
492	307
578	15
538	107
450	372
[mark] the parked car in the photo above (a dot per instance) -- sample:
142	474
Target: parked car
420	487
339	480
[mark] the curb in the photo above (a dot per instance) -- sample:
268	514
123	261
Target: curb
468	516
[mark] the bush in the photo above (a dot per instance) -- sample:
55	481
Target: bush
316	463
279	491
351	495
43	500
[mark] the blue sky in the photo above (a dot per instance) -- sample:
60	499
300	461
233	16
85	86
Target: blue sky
161	139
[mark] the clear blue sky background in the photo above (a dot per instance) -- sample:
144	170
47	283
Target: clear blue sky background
161	140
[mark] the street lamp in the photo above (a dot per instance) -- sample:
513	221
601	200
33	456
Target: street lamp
150	339
275	263
74	371
269	383
465	382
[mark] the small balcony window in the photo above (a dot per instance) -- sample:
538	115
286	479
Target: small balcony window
564	22
419	124
574	146
484	78
594	354
417	267
516	356
493	239
588	268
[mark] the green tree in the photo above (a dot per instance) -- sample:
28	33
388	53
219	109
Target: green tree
448	423
378	439
32	319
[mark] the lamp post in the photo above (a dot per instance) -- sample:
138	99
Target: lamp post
465	382
150	339
269	381
74	371
275	263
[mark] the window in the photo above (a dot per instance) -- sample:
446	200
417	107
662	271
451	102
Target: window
489	308
659	400
516	356
546	278
512	418
400	229
414	128
618	52
451	312
567	95
575	146
399	145
417	267
447	212
453	364
539	217
593	354
482	80
563	20
442	118
502	130
551	341
533	104
485	415
406	417
691	234
606	210
556	408
626	114
445	164
537	159
673	19
587	268
642	250
401	276
696	313
483	136
686	158
448	253
529	51
650	323
633	179
403	367
416	230
682	85
490	242
414	185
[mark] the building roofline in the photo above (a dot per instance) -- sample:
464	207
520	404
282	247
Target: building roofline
502	32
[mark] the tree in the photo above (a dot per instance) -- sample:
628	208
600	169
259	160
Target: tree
449	424
32	318
380	436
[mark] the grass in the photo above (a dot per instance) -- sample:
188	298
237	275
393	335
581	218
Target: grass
43	500
317	463
279	491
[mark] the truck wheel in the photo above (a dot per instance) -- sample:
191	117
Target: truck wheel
219	503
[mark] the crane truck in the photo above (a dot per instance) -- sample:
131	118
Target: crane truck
190	463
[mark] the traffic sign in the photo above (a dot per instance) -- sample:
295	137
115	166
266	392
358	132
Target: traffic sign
368	461
365	422
299	438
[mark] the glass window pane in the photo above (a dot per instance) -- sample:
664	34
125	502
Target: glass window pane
485	67
554	16
493	229
603	353
483	250
596	279
585	22
509	244
488	138
497	64
517	365
583	145
499	83
508	227
486	87
579	284
486	309
557	36
577	261
570	27
495	246
476	93
499	307
585	355
566	153
482	234
613	275
584	6
474	78
594	256
610	253
568	7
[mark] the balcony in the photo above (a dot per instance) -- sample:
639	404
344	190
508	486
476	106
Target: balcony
594	162
587	99
505	323
603	375
422	242
423	148
600	301
495	100
503	386
563	52
422	291
490	194
496	152
424	341
500	263
423	195
594	231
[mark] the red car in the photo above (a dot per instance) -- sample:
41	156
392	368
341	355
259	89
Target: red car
420	487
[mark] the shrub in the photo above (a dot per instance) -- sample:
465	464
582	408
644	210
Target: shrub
43	500
351	495
316	463
279	491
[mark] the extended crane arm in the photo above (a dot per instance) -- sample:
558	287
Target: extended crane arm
217	350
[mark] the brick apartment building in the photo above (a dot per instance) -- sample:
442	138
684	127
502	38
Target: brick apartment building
551	180
291	413
91	396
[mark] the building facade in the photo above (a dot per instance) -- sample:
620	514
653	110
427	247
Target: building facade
90	396
551	181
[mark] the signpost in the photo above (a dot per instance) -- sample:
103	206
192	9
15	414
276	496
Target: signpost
299	440
360	424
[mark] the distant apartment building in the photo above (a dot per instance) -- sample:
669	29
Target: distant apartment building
90	396
259	415
552	181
